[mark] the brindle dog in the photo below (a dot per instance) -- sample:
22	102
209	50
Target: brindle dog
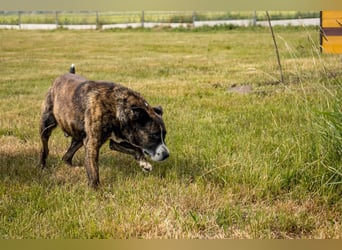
91	112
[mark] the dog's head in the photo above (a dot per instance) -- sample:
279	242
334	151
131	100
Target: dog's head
144	128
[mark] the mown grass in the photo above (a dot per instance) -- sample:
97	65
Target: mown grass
255	165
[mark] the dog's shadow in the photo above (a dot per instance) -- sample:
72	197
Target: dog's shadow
24	168
19	167
182	168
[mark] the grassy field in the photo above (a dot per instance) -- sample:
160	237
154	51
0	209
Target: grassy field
263	164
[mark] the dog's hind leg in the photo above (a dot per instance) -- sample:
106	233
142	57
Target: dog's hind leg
47	124
75	145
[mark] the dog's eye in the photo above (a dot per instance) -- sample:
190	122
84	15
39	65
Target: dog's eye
155	136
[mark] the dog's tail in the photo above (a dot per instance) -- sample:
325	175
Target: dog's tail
72	69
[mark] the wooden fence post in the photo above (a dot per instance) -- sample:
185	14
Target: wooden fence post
193	18
142	19
97	20
19	19
254	19
56	19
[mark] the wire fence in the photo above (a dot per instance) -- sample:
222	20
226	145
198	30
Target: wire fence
108	19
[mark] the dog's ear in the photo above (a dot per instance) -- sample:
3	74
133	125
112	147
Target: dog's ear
140	115
158	110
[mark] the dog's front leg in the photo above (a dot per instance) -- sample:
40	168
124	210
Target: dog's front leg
145	165
92	147
127	148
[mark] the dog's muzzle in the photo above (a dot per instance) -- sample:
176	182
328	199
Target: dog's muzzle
160	154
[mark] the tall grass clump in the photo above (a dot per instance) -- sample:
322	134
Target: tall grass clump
325	119
329	122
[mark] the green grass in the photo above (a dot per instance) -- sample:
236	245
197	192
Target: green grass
256	165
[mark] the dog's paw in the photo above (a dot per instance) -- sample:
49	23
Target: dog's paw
146	166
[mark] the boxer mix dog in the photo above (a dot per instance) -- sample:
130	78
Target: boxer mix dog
92	112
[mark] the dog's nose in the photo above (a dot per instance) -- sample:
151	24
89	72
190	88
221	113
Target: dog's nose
165	155
161	153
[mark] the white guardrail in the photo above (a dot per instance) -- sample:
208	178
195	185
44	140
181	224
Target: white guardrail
242	22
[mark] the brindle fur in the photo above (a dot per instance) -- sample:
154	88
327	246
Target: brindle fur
91	112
